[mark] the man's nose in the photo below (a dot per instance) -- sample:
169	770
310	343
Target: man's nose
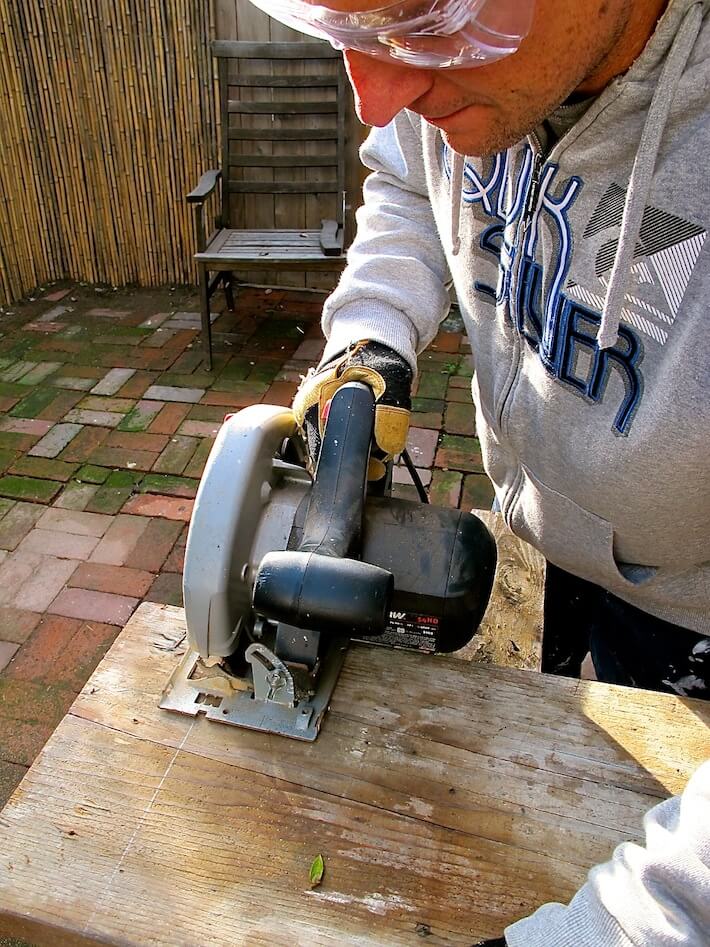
382	88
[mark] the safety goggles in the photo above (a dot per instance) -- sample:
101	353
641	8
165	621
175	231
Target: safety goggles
430	34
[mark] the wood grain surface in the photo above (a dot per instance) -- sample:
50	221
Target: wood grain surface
446	798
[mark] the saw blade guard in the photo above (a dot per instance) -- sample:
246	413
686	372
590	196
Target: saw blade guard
229	531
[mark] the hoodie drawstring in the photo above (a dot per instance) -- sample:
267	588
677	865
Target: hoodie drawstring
642	173
457	168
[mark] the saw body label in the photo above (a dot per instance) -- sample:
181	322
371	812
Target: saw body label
409	631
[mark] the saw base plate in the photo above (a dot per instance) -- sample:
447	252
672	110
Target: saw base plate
197	689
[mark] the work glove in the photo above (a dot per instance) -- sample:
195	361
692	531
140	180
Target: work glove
389	376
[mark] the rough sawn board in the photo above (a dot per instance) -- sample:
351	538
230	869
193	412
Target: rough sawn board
447	800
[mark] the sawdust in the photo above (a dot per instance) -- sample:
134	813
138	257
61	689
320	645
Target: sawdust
511	631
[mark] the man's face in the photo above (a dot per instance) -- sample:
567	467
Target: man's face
483	110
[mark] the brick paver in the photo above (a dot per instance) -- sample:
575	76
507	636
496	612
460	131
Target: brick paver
22	425
172	393
119	540
7	652
96	606
17	522
17	623
55	440
177	455
169	418
172	508
59	544
115	579
75	496
113	381
29	488
10	776
107	417
80	524
40	588
150	550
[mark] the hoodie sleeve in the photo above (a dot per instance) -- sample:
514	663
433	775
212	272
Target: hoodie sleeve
393	289
656	895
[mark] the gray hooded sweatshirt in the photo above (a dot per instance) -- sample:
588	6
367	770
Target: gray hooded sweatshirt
583	275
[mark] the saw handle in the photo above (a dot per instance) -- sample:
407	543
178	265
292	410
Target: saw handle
323	586
334	518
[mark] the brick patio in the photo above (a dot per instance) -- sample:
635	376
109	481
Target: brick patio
106	420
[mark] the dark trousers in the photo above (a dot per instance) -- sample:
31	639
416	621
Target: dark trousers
627	646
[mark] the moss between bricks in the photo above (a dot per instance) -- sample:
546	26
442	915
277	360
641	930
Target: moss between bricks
123	478
139	418
33	405
108	500
169	484
44	468
92	474
432	385
7	457
27	488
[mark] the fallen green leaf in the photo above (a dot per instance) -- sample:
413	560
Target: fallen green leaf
316	872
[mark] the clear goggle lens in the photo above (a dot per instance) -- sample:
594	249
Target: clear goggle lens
431	34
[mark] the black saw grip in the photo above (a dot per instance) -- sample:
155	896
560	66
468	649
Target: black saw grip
323	586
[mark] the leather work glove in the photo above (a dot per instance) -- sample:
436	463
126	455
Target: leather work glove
390	378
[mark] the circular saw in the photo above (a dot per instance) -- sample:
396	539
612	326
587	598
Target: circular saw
283	570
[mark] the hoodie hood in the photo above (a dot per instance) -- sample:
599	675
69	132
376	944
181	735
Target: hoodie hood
669	49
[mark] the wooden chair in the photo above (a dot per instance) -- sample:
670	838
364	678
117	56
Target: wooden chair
283	115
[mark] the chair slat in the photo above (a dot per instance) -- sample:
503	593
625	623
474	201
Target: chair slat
284	82
283	161
236	107
282	187
282	134
239	49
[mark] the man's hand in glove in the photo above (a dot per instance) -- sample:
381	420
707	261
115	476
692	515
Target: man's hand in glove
390	378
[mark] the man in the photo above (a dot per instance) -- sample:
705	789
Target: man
551	159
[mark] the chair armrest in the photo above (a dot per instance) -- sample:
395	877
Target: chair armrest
208	182
331	238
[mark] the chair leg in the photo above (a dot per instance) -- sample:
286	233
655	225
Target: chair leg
228	282
204	279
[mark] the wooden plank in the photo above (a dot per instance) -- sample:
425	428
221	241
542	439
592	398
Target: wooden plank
283	108
282	134
239	237
226	19
281	161
643	741
296	264
229	49
494	793
204	834
281	187
197	852
284	82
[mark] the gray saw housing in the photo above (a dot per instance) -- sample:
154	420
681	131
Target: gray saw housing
282	570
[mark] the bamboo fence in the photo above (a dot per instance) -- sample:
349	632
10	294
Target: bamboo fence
107	119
